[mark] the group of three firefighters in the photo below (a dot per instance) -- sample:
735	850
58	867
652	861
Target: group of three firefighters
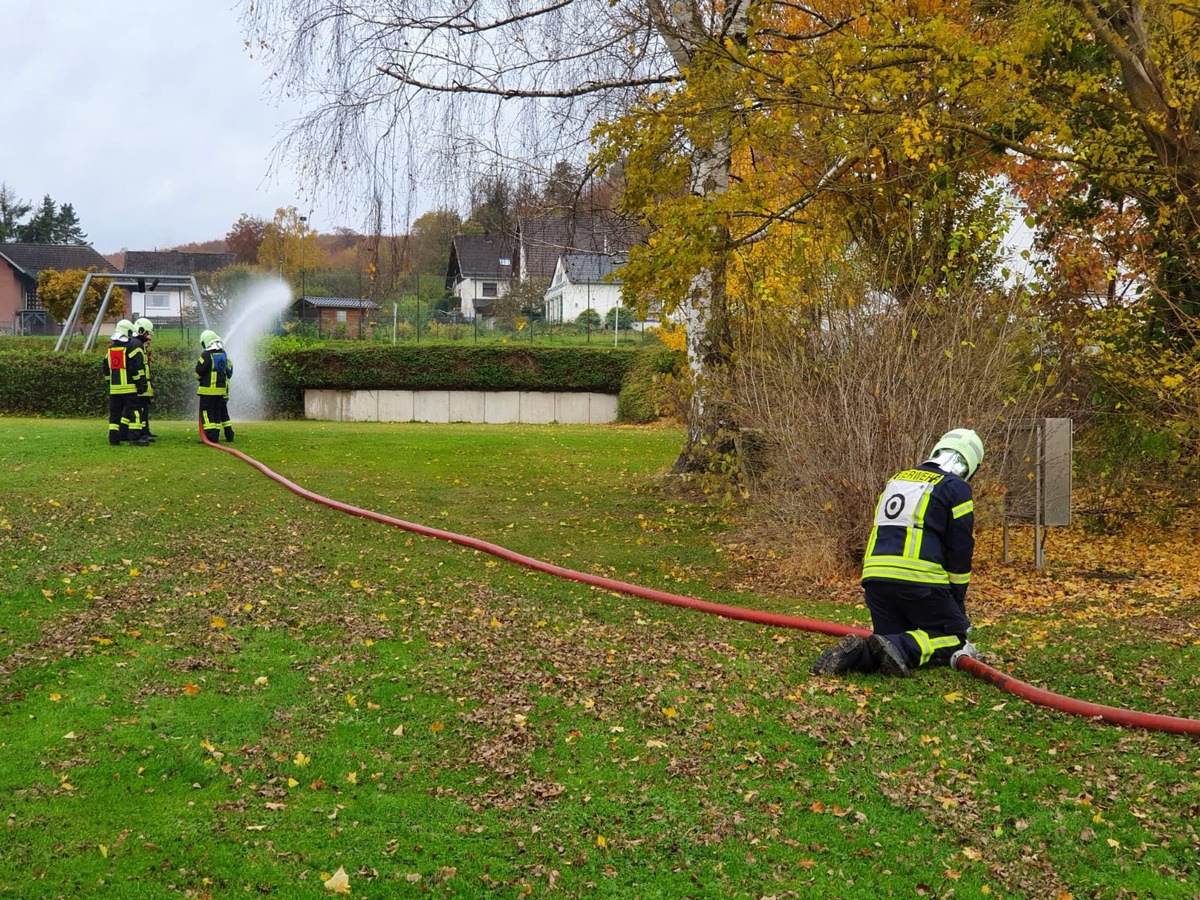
127	370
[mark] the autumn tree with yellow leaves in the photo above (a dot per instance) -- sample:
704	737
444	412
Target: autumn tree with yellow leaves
818	177
289	246
57	292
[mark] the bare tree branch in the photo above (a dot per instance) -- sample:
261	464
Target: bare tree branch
527	94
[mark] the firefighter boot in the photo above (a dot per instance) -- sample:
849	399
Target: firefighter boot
844	656
891	660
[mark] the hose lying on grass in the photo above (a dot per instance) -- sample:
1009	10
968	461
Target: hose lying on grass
1111	714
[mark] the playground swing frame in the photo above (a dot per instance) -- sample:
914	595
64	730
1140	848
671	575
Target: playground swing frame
121	279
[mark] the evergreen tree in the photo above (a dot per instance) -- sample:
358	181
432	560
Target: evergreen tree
41	228
562	188
67	229
51	224
491	206
12	210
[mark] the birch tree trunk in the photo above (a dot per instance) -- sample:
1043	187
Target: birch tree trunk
692	43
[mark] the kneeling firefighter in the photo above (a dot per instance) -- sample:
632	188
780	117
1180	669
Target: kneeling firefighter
917	567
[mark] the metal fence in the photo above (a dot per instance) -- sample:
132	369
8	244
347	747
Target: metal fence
387	329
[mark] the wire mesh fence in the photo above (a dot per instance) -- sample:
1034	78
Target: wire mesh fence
451	326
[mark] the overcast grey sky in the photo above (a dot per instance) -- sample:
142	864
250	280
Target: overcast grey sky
148	115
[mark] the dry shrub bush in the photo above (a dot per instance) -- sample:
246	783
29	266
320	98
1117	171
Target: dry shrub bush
842	394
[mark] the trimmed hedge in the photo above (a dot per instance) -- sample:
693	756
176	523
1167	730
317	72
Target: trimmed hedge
455	368
71	384
647	393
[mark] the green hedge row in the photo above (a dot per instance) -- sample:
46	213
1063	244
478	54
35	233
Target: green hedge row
38	382
71	384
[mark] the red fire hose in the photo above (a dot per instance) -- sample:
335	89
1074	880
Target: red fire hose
1113	715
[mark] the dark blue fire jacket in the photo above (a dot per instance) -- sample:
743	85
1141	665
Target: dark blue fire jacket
923	531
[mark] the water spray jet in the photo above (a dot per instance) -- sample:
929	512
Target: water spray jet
253	313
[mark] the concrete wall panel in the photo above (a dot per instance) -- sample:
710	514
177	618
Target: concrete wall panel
494	407
362	406
431	406
572	409
537	408
396	406
468	406
502	406
603	408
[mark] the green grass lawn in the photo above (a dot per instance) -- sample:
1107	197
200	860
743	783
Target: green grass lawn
213	688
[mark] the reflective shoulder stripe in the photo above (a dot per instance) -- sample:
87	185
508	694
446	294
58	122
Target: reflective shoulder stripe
962	509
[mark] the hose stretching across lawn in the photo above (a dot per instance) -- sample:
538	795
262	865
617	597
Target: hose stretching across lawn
1111	714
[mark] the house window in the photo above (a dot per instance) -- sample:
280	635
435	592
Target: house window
158	301
489	289
341	316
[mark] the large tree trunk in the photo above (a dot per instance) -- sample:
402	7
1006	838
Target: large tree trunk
1172	130
706	313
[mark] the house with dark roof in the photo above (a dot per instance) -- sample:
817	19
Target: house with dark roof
584	281
337	316
542	239
20	266
156	299
479	272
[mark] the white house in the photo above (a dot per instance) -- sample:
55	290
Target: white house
583	280
479	272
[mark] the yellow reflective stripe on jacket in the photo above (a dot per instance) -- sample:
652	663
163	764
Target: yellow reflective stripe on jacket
902	568
912	540
962	509
929	645
959	577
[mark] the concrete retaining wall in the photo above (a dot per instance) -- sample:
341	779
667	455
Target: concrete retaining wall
494	407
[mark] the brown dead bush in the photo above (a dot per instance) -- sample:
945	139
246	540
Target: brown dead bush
841	394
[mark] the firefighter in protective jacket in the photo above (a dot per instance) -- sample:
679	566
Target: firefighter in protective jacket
125	371
213	371
917	567
143	330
